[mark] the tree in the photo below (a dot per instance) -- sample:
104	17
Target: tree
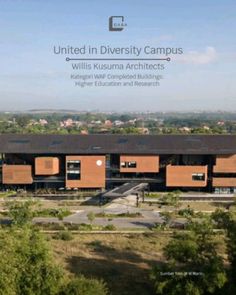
91	217
26	265
193	266
22	120
8	270
227	222
21	212
84	286
39	275
167	217
171	199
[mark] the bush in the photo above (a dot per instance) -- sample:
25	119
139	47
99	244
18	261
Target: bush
152	195
63	235
50	226
71	226
158	227
27	265
200	214
187	253
113	215
187	212
21	213
84	226
91	217
170	199
167	218
59	213
109	227
84	286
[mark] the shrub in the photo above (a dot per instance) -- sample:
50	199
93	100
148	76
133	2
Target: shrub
27	265
191	264
63	235
113	215
91	217
187	212
171	199
158	227
152	195
71	226
51	226
84	286
84	226
59	213
109	227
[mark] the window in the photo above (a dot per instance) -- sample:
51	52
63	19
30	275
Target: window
123	164
73	175
132	164
73	165
198	176
73	169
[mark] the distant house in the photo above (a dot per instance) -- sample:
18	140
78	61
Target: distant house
43	122
118	123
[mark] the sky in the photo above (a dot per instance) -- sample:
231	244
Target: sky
33	77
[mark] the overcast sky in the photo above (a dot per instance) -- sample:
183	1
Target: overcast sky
203	78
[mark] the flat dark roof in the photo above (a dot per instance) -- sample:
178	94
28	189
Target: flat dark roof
118	144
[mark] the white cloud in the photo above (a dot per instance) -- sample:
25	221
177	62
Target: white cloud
199	58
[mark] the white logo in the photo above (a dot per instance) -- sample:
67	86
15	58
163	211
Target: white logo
99	163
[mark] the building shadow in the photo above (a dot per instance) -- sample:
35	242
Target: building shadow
124	271
148	225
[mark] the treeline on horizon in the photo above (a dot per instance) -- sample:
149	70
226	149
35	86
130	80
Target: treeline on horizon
129	123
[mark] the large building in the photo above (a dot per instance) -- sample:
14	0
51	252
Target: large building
187	162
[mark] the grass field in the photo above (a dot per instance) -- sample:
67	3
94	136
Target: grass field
122	261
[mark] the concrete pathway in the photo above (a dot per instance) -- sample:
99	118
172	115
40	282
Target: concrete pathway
120	205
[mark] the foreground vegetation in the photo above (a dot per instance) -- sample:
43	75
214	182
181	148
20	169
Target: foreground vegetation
199	260
27	265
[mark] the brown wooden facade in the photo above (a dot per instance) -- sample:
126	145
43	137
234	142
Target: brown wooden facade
186	176
46	166
139	163
92	172
224	182
199	162
225	164
17	174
